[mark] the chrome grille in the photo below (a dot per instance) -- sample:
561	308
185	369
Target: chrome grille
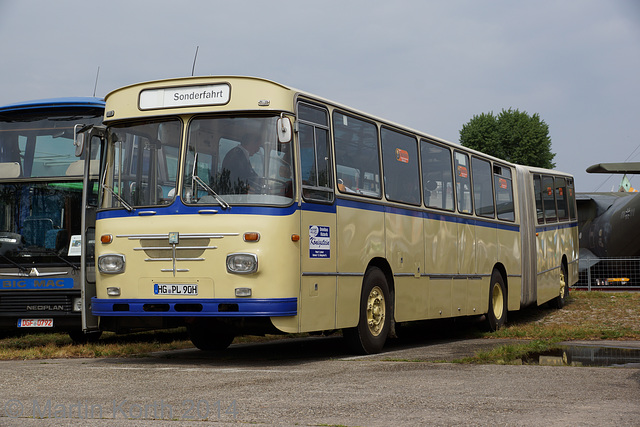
160	251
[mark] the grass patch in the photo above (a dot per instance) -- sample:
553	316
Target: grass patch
586	316
59	345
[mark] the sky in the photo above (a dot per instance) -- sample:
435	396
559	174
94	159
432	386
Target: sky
429	65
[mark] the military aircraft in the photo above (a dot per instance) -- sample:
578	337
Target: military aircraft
609	227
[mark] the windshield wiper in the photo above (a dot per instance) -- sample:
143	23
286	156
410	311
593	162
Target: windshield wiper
204	185
20	268
120	199
113	193
50	252
200	181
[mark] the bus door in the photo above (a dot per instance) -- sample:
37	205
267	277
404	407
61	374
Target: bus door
547	243
317	221
88	142
466	236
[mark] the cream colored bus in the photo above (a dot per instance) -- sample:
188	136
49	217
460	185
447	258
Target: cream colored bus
237	205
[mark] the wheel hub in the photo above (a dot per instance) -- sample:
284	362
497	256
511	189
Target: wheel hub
375	311
498	300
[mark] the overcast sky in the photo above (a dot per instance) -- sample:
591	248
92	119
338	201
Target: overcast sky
430	65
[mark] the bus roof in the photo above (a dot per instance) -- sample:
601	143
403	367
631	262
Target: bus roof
87	101
202	80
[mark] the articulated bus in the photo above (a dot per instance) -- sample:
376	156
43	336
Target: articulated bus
41	216
237	205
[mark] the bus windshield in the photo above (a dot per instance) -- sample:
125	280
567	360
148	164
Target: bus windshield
237	160
40	145
41	185
230	160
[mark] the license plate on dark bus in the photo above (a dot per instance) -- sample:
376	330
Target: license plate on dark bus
35	323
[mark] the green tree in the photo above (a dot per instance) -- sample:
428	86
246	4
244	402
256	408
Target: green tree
511	135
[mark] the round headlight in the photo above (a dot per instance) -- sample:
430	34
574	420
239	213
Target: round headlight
111	263
242	263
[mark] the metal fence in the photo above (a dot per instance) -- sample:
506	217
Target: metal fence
609	274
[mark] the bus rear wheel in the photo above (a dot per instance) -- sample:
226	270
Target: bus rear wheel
497	314
374	318
210	334
561	299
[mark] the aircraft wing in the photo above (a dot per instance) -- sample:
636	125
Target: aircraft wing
624	167
587	259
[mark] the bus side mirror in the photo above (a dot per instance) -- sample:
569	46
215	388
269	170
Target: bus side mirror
78	140
284	130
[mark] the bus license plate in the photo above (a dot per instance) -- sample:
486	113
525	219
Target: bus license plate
35	323
165	289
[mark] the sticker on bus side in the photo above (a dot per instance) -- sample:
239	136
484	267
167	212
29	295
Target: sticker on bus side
402	155
319	242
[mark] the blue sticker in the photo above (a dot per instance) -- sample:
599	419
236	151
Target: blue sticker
319	242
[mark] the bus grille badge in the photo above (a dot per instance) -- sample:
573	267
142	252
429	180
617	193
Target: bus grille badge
174	238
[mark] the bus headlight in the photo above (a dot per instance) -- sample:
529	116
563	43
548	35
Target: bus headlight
111	263
242	263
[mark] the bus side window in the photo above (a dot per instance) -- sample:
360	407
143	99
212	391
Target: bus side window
400	163
482	187
537	191
463	182
437	176
504	193
549	200
561	198
315	158
571	195
357	155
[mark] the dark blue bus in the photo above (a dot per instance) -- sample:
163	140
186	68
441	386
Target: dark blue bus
42	216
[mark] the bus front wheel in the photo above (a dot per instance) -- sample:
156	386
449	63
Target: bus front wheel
497	314
374	319
210	334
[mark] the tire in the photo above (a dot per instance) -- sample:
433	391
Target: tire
374	318
81	337
210	334
561	299
497	314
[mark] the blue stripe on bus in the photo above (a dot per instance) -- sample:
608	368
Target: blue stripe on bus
273	307
440	216
317	207
356	204
559	226
178	208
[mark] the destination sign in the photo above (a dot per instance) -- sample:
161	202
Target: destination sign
186	96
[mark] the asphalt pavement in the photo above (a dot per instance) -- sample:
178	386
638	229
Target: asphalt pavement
314	381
